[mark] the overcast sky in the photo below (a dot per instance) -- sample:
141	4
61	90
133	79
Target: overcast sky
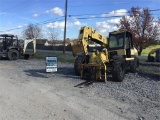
15	15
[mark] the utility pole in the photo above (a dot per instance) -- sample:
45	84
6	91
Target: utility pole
66	5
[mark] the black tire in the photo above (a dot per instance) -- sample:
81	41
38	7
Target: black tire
26	56
118	69
134	65
77	63
13	54
151	59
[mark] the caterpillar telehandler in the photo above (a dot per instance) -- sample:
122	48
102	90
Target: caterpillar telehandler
117	54
10	47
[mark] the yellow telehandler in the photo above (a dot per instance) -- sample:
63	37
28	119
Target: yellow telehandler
116	55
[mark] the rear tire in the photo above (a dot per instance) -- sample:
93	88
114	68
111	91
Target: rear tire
13	54
118	69
77	64
134	65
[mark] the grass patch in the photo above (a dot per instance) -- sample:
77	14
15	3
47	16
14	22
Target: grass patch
62	57
148	49
142	60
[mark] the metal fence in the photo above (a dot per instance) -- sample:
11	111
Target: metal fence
59	48
56	48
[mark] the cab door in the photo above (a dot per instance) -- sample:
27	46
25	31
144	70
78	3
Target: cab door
128	44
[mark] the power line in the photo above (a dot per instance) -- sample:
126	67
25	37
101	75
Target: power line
109	3
95	17
110	13
19	6
155	10
30	3
11	29
15	6
53	20
25	5
47	21
39	23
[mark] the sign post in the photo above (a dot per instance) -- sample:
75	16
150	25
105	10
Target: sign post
51	64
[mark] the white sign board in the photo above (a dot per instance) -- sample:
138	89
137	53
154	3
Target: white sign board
51	64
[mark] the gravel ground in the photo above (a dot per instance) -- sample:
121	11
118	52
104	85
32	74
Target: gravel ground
28	92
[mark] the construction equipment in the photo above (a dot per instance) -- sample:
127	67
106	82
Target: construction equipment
157	55
10	47
117	55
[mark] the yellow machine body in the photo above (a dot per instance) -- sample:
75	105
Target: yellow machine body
87	34
94	64
97	59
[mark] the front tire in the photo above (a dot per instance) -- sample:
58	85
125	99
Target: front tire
13	54
77	65
118	69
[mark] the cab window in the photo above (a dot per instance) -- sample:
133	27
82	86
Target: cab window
116	41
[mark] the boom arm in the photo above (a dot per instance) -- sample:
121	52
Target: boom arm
87	34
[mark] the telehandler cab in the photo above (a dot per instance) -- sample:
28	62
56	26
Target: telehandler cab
116	56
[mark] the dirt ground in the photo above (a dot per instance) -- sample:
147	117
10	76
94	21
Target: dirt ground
27	92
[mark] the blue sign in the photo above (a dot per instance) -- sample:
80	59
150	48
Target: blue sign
51	64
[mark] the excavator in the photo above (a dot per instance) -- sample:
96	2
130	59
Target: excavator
11	48
116	56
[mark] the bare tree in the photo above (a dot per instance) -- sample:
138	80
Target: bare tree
53	35
143	26
32	31
74	41
67	41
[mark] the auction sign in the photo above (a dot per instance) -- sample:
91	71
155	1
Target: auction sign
51	64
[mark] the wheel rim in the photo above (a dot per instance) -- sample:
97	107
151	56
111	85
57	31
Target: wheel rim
14	55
